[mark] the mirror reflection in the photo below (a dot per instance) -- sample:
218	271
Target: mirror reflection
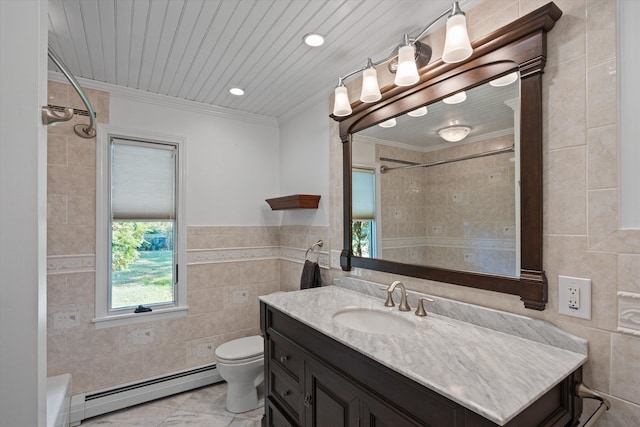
438	186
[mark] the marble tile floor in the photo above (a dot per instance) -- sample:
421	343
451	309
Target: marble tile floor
196	408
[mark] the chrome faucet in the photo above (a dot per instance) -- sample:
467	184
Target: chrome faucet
404	306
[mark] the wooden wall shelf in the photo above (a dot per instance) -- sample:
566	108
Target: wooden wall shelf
295	201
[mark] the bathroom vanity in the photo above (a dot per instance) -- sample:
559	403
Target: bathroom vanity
431	371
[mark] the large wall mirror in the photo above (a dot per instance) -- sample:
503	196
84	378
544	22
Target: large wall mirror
443	180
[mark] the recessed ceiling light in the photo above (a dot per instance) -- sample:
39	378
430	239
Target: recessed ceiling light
313	39
236	91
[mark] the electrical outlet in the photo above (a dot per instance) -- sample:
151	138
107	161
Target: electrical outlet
574	297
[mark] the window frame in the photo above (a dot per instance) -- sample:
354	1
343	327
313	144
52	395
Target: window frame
103	317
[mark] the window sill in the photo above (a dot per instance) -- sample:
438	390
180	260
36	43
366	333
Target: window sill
129	318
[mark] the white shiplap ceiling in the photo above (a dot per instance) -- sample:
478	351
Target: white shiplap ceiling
198	49
487	111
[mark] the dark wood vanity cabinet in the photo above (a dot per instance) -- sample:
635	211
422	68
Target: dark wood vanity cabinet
313	380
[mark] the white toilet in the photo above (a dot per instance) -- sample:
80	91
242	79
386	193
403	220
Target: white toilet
241	364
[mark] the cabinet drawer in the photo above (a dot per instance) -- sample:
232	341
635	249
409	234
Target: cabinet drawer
287	356
285	392
274	417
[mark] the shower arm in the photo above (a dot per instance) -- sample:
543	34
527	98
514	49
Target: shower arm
85	131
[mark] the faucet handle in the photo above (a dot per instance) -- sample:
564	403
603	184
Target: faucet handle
420	310
389	302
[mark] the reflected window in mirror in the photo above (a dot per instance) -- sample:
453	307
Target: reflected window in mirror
364	212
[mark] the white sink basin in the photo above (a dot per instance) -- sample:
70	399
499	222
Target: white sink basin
372	321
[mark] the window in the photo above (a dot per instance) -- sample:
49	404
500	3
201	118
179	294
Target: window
363	212
140	253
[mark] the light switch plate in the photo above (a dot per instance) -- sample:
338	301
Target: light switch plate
574	297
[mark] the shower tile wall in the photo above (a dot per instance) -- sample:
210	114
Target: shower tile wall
581	237
227	269
456	215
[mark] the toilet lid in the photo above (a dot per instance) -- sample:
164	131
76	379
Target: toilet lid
241	348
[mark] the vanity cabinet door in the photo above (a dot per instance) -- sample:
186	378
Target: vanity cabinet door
330	399
273	416
376	413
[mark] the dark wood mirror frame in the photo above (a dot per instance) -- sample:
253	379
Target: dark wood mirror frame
519	46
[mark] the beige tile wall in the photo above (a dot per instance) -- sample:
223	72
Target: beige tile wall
581	236
300	236
419	203
227	271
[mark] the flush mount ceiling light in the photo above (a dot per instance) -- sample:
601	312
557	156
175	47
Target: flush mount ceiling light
455	99
418	112
388	123
313	39
504	80
456	49
454	133
236	91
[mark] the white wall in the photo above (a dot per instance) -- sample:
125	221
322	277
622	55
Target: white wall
23	215
304	167
232	163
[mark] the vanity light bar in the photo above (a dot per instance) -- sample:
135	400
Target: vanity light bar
457	48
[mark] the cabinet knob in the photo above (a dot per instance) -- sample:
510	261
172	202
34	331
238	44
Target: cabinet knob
284	358
286	393
307	400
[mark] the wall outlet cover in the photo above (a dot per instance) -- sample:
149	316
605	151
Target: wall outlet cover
574	297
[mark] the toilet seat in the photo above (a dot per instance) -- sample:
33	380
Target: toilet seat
241	350
238	361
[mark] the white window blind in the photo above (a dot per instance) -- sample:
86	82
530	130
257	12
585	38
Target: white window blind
142	181
363	205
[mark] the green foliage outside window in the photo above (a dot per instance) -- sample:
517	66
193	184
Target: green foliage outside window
360	238
142	263
128	238
125	239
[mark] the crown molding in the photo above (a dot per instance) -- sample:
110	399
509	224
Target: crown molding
169	101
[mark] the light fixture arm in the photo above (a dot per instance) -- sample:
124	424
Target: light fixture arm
449	12
456	49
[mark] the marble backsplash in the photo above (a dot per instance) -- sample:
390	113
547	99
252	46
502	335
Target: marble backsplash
510	323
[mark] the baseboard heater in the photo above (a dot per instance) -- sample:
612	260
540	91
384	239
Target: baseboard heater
85	406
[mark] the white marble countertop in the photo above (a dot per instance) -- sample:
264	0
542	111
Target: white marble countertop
492	373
